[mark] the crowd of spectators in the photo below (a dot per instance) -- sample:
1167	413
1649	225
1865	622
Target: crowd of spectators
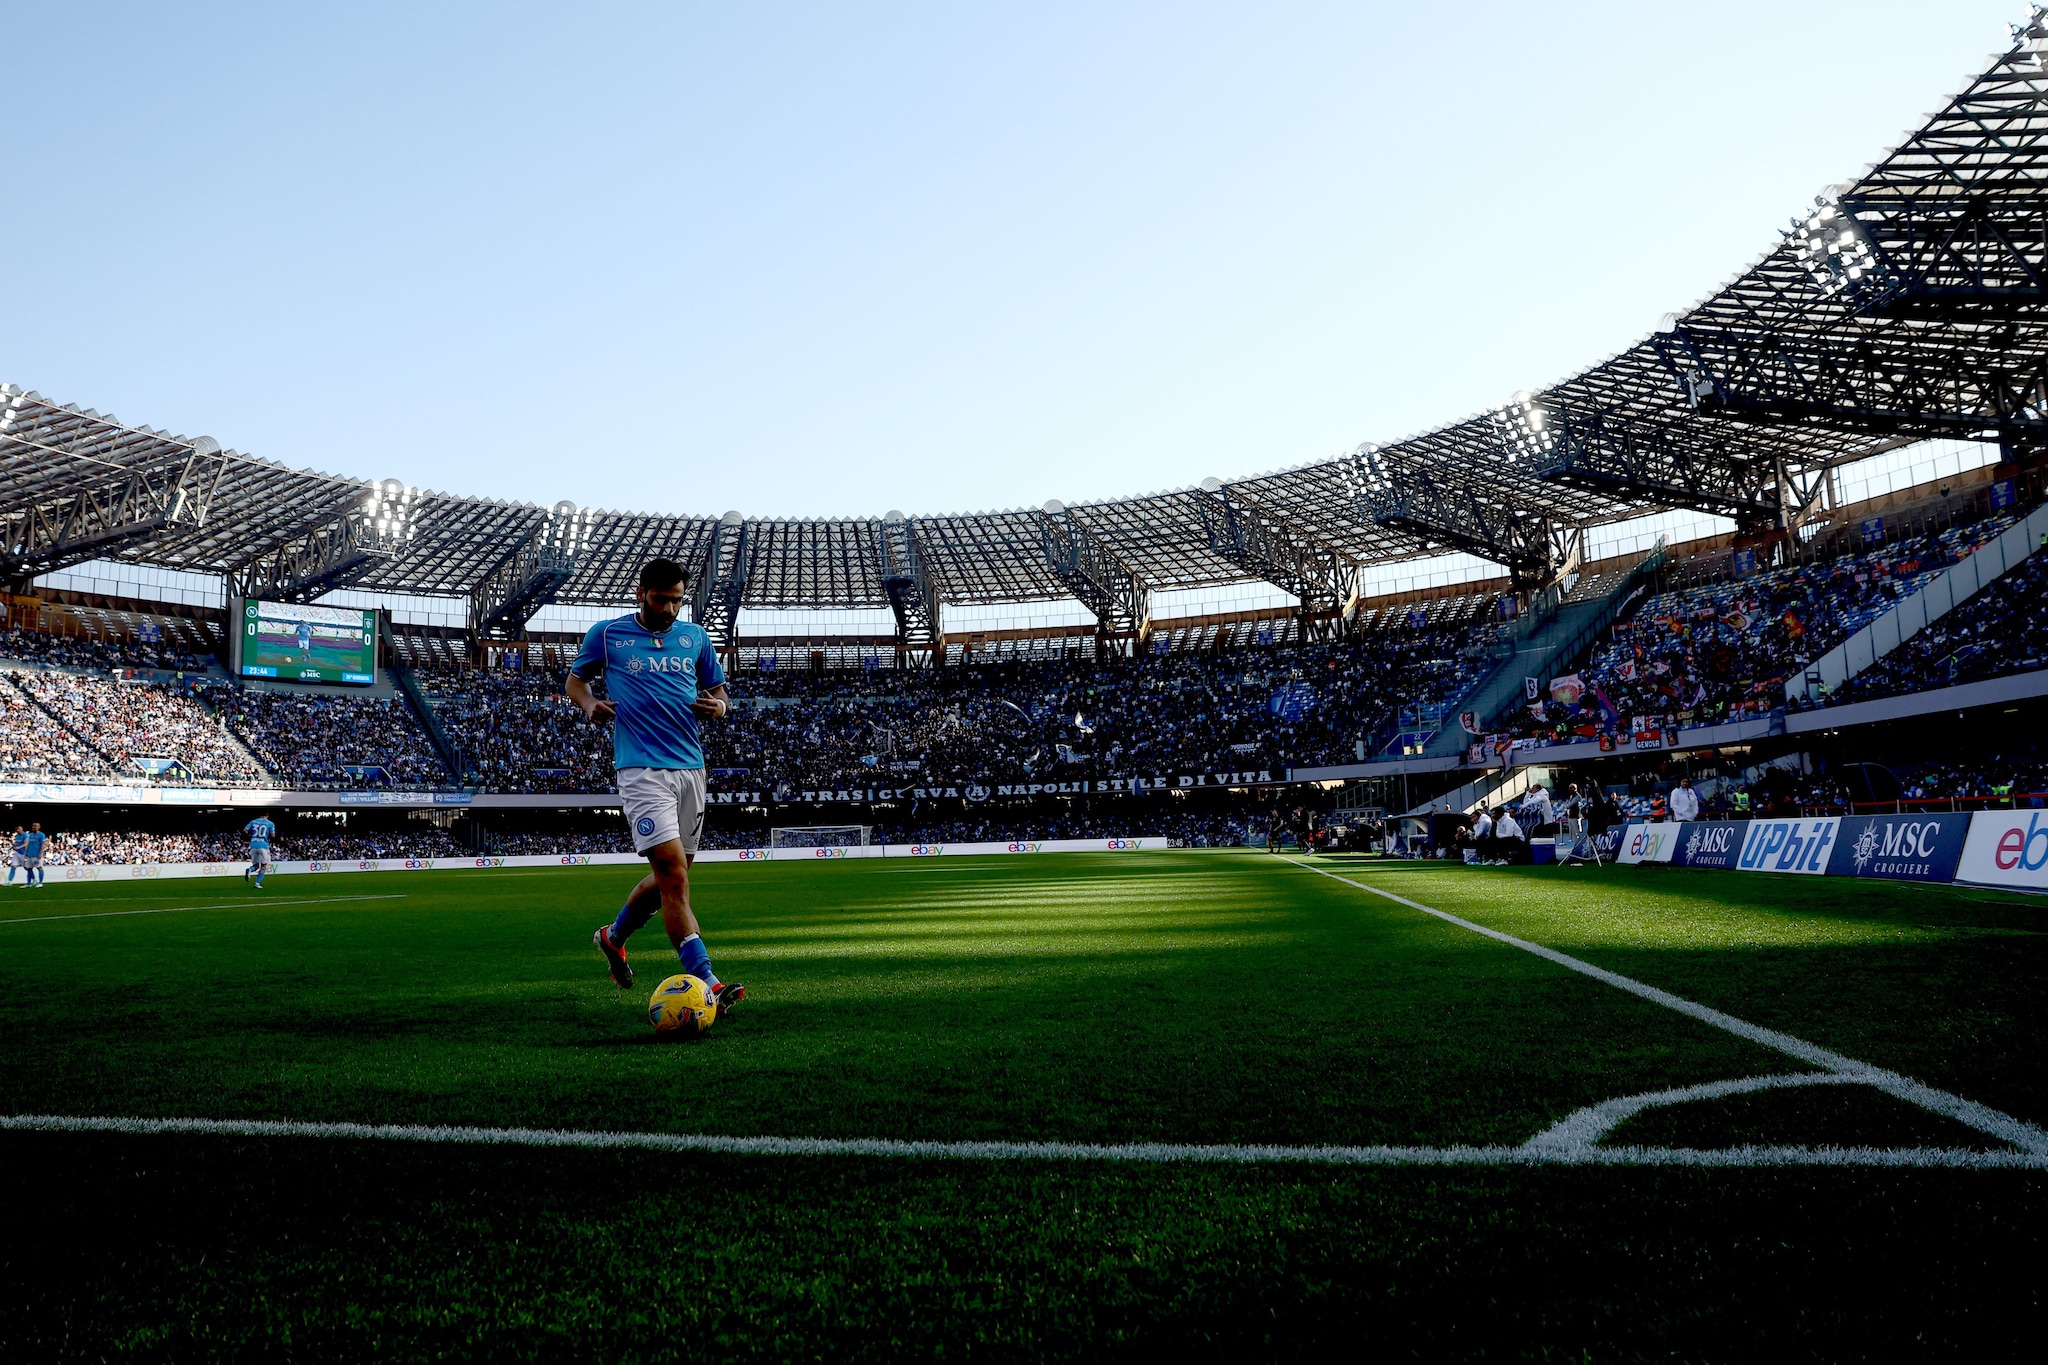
136	847
1717	652
36	747
81	652
1247	709
319	741
135	726
517	732
1048	721
2002	630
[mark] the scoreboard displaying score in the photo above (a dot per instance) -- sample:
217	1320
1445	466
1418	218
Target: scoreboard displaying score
298	643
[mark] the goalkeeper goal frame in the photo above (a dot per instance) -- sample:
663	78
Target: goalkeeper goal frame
819	836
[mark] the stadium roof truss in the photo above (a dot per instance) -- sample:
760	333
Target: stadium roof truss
1904	305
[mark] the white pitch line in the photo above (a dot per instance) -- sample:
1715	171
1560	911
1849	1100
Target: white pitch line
1587	1126
223	905
1982	1117
1149	1153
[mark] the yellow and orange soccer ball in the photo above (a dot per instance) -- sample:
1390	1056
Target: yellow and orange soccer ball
682	1005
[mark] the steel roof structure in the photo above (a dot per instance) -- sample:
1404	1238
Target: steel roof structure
1904	305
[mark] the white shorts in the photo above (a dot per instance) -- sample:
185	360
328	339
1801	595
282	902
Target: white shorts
663	804
259	857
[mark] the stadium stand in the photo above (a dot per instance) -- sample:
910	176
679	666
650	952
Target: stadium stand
2001	631
136	725
35	646
37	746
517	732
127	846
1723	650
1180	712
320	742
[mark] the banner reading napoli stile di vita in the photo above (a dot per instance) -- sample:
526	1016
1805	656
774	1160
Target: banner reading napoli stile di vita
1920	848
2007	848
1802	846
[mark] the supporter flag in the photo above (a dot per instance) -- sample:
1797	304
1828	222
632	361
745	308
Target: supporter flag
1735	620
1745	561
1567	690
1607	708
1470	720
1794	627
767	663
2003	495
1626	671
1531	690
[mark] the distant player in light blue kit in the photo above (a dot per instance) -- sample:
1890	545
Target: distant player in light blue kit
14	853
260	831
663	679
306	640
31	856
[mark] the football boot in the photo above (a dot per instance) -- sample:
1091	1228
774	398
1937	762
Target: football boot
615	957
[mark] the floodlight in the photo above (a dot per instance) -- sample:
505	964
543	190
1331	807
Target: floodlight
1833	248
1524	428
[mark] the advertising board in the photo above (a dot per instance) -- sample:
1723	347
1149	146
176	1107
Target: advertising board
2007	848
1643	842
1710	843
1802	846
1920	848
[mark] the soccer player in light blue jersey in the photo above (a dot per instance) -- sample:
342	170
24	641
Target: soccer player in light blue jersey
663	680
14	853
32	854
260	832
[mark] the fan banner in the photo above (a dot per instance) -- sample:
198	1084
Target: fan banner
1800	846
1919	848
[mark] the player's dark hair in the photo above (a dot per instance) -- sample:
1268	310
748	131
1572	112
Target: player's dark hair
659	575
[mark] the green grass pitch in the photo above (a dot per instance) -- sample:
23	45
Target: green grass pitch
1186	998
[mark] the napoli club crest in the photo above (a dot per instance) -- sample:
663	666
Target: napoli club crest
645	825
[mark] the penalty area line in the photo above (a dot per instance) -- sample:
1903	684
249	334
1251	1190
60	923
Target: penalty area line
223	905
1145	1153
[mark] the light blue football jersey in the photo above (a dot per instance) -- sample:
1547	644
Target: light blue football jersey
32	843
259	831
653	679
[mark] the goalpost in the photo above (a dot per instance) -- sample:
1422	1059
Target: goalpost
819	836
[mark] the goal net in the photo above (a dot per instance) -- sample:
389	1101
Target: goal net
818	836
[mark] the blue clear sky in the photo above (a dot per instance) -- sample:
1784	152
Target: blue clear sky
836	259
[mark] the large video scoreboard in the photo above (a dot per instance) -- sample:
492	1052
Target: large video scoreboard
296	643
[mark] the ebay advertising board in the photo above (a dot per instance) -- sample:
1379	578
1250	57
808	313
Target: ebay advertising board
2007	848
1643	842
